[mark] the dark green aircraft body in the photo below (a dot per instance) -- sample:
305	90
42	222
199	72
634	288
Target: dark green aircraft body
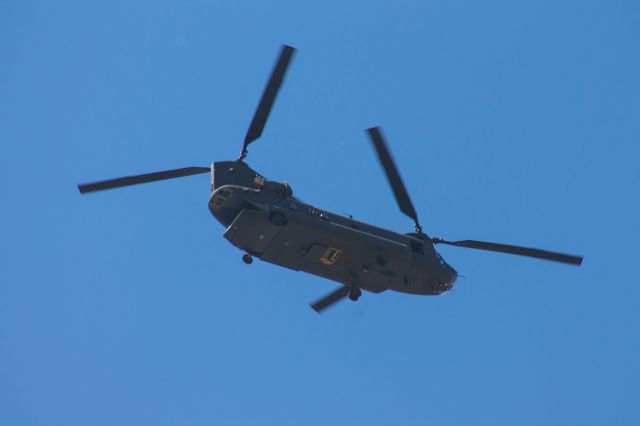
265	220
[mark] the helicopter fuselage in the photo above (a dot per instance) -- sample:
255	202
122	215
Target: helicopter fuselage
265	220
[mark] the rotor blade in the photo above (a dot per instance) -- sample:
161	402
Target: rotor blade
399	190
134	180
521	251
331	298
268	97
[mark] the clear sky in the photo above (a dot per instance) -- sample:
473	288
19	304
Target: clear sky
511	121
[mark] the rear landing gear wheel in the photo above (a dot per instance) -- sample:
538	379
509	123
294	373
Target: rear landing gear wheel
247	258
355	294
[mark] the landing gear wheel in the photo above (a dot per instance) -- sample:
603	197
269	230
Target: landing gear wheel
355	294
278	218
247	258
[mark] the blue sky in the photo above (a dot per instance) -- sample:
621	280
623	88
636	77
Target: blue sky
513	122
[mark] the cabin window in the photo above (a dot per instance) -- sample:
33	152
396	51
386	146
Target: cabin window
331	256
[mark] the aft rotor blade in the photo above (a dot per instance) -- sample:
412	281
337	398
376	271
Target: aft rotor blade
521	251
399	190
145	178
331	298
268	97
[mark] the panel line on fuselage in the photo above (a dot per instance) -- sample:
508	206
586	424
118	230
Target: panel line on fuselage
369	234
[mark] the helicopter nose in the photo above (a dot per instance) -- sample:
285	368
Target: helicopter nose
452	278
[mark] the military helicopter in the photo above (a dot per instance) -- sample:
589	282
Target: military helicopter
265	220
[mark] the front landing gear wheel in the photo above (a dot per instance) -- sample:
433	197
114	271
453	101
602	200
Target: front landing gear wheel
355	294
247	258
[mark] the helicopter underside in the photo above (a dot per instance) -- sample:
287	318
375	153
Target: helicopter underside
299	237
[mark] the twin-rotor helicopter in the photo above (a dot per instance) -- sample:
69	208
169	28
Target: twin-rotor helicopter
265	220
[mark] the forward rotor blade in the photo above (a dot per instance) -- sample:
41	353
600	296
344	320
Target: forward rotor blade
135	180
268	97
399	190
331	298
521	251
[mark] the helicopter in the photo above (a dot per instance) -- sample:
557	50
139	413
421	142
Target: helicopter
266	221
